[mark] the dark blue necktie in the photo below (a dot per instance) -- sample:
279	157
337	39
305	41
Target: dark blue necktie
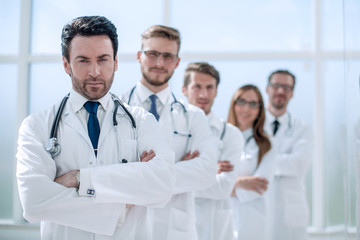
93	123
153	107
276	126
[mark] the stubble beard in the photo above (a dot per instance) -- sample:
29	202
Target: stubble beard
278	105
92	93
154	82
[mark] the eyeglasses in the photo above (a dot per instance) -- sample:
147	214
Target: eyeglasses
154	56
277	86
243	102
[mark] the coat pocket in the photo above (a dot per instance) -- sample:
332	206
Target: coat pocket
128	151
181	222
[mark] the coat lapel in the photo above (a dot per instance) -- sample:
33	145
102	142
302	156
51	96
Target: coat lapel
107	123
73	122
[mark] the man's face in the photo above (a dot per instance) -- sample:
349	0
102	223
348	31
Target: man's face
91	65
201	90
280	90
158	71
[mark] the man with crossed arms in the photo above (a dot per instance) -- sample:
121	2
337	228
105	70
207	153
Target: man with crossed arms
183	127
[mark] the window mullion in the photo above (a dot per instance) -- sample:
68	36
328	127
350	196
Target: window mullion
23	85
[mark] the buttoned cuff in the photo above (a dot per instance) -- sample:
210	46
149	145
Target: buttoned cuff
86	188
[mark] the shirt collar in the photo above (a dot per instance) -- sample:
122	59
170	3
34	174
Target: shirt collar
282	119
77	101
144	93
214	121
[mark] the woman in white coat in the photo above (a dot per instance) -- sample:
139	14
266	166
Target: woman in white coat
249	197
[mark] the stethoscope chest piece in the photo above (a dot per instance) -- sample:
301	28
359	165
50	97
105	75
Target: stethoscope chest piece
53	147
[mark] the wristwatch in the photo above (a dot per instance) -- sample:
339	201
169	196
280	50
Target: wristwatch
78	178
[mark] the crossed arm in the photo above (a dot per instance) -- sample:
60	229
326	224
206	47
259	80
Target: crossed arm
69	179
252	183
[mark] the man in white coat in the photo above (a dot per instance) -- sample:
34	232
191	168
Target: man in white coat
183	127
288	203
94	186
213	210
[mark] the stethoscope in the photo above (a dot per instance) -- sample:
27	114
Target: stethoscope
248	141
245	153
289	130
53	146
172	106
221	145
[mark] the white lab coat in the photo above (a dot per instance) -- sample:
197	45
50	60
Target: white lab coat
177	219
289	207
214	217
63	213
251	219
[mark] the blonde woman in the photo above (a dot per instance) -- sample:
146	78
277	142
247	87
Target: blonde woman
249	197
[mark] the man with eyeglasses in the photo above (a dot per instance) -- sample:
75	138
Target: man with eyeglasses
289	211
213	209
184	129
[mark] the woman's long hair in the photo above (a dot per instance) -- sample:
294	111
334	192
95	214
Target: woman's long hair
261	139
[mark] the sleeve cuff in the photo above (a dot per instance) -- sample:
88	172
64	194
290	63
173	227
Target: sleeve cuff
246	195
86	188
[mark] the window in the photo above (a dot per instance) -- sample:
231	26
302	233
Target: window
232	26
48	85
10	19
50	16
244	40
8	93
334	135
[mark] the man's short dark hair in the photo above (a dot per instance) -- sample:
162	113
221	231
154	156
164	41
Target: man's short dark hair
201	67
281	71
87	26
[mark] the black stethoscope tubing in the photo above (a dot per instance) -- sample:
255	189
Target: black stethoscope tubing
117	103
55	125
53	147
